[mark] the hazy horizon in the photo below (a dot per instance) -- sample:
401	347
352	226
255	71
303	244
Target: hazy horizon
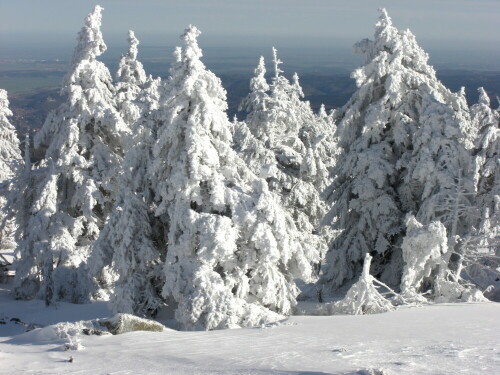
442	27
313	38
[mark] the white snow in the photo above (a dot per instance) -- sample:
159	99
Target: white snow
435	339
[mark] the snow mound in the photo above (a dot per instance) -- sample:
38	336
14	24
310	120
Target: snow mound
450	291
123	323
67	334
371	371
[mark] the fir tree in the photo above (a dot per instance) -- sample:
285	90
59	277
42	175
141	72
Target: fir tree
34	277
438	176
482	246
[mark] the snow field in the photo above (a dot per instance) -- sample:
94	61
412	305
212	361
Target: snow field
436	339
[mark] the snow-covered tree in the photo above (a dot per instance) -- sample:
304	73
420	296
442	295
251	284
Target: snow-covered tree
423	250
286	125
10	165
427	273
283	141
130	78
34	277
10	153
401	135
482	247
438	176
365	206
85	140
125	259
233	253
23	196
135	258
487	170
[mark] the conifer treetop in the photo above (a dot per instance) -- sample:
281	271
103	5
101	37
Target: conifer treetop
258	81
384	24
130	73
483	97
393	49
133	43
277	62
90	41
296	85
191	51
256	99
4	104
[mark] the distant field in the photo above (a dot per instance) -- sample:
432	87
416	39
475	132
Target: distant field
34	85
29	84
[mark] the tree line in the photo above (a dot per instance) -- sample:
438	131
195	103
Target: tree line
150	197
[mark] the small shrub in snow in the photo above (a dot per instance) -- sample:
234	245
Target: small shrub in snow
423	247
371	371
425	253
68	334
363	297
452	291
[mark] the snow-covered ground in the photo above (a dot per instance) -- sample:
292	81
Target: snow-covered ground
437	339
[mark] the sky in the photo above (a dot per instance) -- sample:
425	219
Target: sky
292	23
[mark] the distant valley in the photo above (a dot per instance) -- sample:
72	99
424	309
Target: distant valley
34	86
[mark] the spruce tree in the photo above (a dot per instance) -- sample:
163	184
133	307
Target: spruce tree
401	135
10	165
487	171
233	253
85	141
283	141
10	153
483	247
130	79
126	258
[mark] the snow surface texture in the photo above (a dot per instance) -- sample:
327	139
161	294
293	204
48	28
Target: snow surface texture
438	339
68	334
